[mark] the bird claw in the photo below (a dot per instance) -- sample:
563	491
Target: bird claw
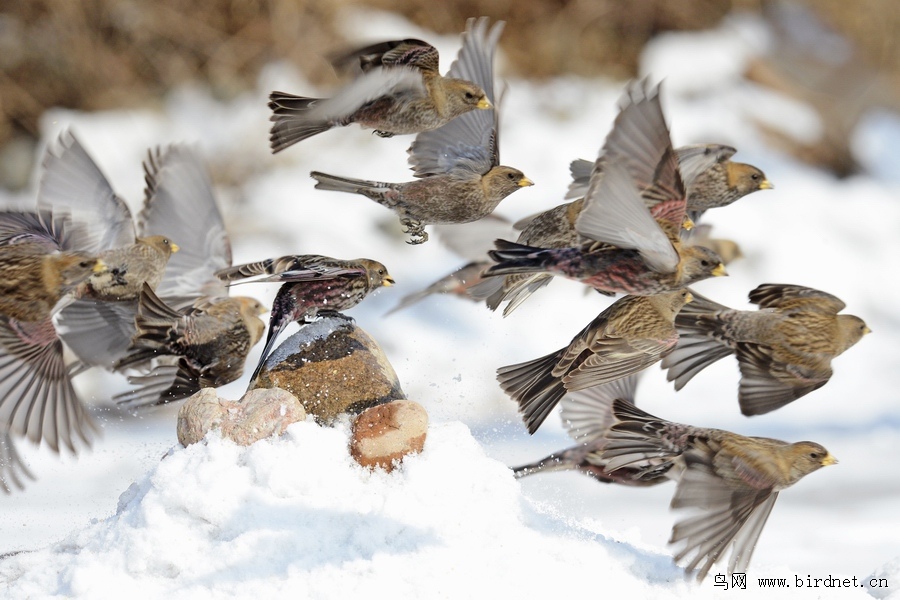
416	231
383	134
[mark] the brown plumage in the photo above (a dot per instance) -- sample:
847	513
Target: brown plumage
630	335
128	268
729	481
33	279
311	285
632	217
202	345
399	90
37	399
784	349
460	178
587	415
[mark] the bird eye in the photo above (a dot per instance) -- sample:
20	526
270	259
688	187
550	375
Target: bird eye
470	96
85	264
754	177
704	263
511	176
381	271
815	455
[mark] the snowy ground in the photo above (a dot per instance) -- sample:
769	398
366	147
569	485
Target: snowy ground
295	515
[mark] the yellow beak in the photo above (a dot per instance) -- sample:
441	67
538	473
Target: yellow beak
688	223
829	460
388	282
766	185
719	271
484	103
99	267
174	247
525	182
689	298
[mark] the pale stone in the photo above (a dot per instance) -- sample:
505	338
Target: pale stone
386	433
258	415
333	367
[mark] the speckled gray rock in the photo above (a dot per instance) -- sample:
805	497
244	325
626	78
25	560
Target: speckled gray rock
258	415
333	367
384	434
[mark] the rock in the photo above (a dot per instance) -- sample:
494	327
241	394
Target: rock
333	367
385	433
258	415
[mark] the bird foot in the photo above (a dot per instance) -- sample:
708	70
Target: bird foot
416	231
384	134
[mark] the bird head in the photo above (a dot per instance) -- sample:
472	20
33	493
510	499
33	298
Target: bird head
746	179
161	243
463	96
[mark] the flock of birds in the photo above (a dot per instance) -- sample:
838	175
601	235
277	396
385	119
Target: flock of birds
149	297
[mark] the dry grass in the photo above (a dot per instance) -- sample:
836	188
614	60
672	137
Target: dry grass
99	54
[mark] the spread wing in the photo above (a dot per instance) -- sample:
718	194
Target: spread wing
468	142
72	183
179	203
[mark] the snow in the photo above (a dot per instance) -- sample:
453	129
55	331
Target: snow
139	514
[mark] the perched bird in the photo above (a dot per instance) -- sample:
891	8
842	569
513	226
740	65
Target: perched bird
633	228
784	350
630	335
207	342
399	91
312	285
587	415
729	481
12	469
37	270
460	178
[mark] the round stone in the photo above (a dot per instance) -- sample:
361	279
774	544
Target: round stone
333	367
382	435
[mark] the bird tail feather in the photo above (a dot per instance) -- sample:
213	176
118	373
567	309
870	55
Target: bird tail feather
534	387
291	123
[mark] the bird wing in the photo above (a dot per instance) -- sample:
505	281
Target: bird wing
727	515
615	213
394	53
695	160
168	380
52	230
472	241
614	357
12	469
292	268
581	177
73	183
785	296
179	203
369	86
768	384
470	142
37	399
98	332
587	413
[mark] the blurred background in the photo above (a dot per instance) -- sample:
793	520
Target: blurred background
843	58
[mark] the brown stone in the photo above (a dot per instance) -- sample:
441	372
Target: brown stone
258	415
384	434
333	367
